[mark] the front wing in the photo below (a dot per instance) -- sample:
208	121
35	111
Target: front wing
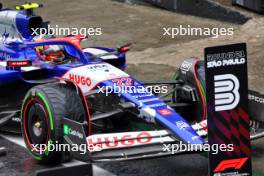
122	146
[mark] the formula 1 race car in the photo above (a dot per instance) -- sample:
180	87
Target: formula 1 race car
55	92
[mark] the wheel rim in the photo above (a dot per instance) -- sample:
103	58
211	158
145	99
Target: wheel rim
36	126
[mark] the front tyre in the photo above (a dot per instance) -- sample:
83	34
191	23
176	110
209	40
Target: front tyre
42	111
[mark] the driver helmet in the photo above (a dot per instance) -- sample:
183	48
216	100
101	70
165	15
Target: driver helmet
50	53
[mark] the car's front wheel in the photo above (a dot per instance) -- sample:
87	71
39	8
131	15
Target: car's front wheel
42	111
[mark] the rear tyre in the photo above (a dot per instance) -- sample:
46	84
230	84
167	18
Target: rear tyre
42	111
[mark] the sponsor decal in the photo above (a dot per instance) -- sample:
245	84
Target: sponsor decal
148	114
226	92
123	81
255	98
86	78
121	140
75	133
25	63
96	67
186	66
81	80
16	119
182	125
143	95
157	105
68	131
165	112
255	106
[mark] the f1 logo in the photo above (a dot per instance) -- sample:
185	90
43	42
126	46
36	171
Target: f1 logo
226	92
230	164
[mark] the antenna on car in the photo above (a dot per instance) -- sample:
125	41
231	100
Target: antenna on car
28	7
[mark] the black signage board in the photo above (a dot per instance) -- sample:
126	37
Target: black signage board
227	110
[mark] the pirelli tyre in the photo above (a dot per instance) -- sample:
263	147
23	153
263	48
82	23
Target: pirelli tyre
43	108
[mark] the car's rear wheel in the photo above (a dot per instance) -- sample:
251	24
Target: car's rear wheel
42	111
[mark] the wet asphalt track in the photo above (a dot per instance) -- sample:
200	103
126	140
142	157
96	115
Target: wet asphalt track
19	163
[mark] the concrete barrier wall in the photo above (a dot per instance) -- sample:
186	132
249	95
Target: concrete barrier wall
202	8
255	5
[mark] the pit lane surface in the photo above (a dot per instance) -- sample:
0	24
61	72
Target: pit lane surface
19	163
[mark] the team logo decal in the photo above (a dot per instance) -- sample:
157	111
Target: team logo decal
165	112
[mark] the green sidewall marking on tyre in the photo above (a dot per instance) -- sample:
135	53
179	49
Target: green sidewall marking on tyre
47	149
203	91
29	151
42	97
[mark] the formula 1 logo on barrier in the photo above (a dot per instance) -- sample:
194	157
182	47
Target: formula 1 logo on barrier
232	163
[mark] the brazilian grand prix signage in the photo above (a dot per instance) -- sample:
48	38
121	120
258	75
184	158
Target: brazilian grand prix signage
227	109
